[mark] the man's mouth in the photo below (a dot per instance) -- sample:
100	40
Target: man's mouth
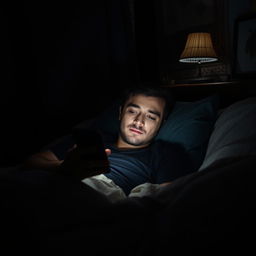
137	131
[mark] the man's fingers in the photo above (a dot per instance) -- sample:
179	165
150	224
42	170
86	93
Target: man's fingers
108	151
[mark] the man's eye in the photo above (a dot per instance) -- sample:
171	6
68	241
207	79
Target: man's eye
131	111
151	118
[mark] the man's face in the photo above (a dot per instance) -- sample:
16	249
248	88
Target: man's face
140	118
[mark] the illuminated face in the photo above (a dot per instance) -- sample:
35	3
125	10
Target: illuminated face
141	118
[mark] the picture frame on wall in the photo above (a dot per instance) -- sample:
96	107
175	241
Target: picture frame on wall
245	47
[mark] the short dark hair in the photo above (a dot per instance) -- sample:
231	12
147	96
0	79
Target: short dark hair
151	91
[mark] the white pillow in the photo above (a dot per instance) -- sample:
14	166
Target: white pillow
234	133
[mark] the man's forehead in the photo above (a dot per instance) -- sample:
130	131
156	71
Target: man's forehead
151	103
145	100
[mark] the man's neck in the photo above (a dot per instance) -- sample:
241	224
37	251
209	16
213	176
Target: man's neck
120	144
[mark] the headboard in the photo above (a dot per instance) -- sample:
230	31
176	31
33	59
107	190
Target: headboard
229	92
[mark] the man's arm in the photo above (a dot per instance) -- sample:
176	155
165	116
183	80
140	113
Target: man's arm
77	162
53	156
46	160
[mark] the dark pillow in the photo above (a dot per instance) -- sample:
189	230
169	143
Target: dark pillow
108	120
234	133
189	124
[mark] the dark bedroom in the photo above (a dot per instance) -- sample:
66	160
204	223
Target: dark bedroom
128	127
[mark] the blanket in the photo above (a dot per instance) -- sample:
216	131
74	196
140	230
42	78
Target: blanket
114	193
49	214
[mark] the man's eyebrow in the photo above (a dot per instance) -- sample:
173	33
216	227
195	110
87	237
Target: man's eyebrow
150	111
133	105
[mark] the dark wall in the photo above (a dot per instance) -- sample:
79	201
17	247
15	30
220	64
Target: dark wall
64	63
146	31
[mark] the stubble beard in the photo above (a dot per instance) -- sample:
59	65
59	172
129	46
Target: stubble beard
133	141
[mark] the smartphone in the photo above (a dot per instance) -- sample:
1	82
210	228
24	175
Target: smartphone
92	149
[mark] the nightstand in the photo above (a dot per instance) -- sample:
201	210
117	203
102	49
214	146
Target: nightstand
229	91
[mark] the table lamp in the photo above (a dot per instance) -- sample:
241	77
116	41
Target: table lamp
198	49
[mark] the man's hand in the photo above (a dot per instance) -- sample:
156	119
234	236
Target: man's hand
108	151
82	163
165	183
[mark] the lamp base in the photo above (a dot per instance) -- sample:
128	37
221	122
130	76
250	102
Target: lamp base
196	80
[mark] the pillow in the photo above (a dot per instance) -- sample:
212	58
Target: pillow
234	134
108	120
189	124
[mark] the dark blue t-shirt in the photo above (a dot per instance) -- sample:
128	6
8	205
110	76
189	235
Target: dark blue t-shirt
158	163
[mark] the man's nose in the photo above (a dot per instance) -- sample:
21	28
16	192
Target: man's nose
139	120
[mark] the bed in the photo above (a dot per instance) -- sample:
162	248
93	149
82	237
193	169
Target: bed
210	211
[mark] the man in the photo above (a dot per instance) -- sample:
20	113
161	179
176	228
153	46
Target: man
134	158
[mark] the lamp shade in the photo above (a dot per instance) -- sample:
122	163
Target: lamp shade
198	49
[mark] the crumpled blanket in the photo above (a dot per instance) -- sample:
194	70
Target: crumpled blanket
114	193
